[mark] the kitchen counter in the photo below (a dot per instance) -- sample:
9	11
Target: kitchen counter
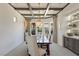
73	37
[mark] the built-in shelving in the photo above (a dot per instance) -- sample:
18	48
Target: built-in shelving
73	23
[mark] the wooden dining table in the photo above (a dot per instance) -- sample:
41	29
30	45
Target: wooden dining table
46	43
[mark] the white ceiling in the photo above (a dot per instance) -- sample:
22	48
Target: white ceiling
52	12
24	11
20	5
37	5
34	11
38	11
57	5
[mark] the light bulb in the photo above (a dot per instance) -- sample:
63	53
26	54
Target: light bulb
14	19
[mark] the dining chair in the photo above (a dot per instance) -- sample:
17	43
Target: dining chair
33	49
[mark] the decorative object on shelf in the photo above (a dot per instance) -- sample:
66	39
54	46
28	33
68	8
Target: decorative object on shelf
73	24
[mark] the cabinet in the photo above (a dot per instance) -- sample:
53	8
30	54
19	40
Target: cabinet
72	44
76	47
66	42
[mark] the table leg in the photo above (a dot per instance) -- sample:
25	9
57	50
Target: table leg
48	49
41	45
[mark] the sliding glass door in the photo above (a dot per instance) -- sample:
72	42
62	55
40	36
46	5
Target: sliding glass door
43	30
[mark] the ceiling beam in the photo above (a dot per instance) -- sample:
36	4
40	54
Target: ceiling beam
30	8
38	8
37	17
14	8
11	5
38	14
63	8
48	6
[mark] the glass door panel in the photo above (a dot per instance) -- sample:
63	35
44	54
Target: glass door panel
32	28
46	32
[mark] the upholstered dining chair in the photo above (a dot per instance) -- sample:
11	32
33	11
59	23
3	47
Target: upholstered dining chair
33	49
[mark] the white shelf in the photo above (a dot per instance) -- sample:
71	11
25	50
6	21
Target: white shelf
73	21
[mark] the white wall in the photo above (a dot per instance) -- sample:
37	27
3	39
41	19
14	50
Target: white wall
11	34
62	20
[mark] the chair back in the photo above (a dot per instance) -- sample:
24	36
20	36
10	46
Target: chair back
32	45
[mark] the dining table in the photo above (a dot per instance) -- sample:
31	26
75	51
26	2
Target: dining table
43	41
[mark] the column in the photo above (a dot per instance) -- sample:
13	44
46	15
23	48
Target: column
55	29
